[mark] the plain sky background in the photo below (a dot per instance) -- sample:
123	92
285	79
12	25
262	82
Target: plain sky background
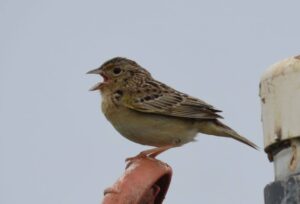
56	147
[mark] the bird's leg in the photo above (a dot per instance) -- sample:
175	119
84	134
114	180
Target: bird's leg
152	153
156	151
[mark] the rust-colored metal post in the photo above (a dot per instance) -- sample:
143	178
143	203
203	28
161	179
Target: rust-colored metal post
280	99
146	180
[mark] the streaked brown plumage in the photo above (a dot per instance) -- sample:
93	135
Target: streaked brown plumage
149	112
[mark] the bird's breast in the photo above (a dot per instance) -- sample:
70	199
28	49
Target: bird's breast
146	128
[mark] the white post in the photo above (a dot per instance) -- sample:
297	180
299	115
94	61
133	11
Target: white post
280	99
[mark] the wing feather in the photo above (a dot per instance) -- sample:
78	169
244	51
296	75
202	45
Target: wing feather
156	97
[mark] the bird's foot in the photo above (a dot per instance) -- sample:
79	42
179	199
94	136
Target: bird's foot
139	156
110	190
151	153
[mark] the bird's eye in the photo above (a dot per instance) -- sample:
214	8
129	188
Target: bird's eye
117	70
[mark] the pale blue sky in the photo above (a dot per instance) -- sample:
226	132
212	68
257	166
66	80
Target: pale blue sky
56	147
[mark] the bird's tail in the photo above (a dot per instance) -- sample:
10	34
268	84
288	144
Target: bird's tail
219	129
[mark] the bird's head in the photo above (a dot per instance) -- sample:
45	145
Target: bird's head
117	73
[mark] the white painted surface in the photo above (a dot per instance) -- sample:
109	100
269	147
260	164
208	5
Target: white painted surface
286	162
280	97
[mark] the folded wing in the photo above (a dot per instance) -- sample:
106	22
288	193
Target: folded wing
156	97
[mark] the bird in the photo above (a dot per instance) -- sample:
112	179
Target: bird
149	112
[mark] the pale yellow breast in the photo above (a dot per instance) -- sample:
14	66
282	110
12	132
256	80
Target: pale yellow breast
148	129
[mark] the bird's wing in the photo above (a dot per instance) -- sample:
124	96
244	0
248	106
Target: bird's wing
156	97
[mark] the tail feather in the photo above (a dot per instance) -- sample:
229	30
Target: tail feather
219	129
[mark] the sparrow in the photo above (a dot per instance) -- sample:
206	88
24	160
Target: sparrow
152	113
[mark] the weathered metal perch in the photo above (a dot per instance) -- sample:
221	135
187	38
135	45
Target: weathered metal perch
146	180
280	99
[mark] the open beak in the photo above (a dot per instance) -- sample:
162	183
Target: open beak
95	71
98	85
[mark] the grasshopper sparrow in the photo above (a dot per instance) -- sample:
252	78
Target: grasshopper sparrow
149	112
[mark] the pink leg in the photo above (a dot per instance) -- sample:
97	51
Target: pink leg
152	153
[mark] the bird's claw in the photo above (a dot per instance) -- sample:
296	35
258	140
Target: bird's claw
110	190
